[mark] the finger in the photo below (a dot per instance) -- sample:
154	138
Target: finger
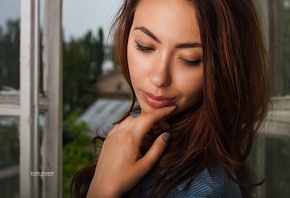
146	120
146	163
126	121
121	125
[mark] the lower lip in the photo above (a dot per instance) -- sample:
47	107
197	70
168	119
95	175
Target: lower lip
155	103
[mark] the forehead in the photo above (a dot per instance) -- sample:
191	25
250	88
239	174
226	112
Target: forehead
167	18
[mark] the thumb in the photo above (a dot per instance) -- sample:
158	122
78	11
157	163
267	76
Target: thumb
147	162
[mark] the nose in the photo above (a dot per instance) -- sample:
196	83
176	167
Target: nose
160	73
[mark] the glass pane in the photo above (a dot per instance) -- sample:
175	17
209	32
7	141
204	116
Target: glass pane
271	161
279	45
277	163
9	160
41	47
9	44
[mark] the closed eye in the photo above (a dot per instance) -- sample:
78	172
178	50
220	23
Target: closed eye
143	48
191	62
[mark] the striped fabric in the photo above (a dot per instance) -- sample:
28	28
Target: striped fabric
220	186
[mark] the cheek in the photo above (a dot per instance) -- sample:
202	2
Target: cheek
139	65
198	90
136	68
192	88
198	86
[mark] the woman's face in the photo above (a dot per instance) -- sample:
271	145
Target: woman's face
165	55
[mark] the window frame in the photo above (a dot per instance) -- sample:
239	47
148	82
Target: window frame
27	103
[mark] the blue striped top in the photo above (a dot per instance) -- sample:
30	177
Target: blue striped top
204	185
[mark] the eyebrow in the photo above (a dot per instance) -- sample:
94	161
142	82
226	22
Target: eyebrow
180	45
150	34
188	45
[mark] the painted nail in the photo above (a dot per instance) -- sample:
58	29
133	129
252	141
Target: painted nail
166	137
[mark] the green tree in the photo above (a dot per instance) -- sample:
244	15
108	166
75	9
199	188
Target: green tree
9	54
279	46
277	165
286	47
95	49
82	62
9	142
77	149
100	54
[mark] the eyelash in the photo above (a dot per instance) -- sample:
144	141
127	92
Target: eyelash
143	48
191	63
150	49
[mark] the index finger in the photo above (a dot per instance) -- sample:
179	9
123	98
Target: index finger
146	120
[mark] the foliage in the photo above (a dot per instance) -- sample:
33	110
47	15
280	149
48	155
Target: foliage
286	48
77	151
277	165
82	63
9	54
270	160
279	45
9	142
285	173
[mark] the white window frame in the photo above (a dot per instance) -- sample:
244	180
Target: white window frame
278	122
51	150
27	104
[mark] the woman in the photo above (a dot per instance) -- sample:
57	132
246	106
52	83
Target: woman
198	71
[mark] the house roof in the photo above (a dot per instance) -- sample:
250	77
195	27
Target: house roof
101	115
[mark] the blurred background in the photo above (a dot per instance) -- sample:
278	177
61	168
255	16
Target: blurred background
60	87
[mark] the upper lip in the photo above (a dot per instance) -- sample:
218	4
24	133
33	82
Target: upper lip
158	97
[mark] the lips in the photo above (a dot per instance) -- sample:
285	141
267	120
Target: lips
157	101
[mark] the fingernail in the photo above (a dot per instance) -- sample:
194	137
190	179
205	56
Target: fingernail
166	137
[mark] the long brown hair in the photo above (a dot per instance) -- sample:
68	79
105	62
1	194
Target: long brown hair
221	128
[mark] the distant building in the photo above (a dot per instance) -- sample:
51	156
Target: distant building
114	100
103	113
113	85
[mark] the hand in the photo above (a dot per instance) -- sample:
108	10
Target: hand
120	165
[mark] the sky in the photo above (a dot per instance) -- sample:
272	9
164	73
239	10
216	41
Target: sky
79	16
9	9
